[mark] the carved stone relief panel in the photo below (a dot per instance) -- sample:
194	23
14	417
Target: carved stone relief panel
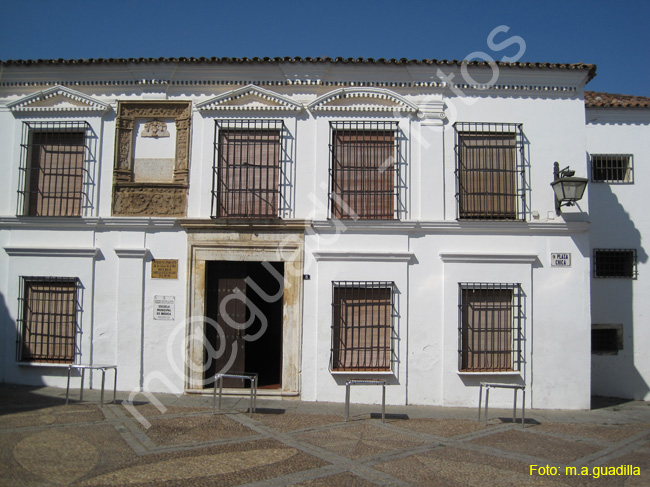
152	150
149	200
155	128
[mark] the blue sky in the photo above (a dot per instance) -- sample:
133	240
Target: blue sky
613	36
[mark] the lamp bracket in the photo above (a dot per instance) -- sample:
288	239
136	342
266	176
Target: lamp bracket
567	173
562	173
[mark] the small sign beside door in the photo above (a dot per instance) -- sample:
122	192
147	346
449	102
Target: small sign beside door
164	307
560	260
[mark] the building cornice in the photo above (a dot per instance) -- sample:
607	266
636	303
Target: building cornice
477	258
315	226
439	86
338	255
243	225
131	253
617	116
63	223
506	228
448	227
586	70
88	252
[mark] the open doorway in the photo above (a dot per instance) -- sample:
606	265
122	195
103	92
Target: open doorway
248	332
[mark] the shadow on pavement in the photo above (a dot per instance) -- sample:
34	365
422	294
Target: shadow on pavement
602	402
17	398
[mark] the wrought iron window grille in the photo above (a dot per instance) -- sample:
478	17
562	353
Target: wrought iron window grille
606	339
363	326
366	172
490	171
490	332
54	171
49	319
615	263
612	168
250	177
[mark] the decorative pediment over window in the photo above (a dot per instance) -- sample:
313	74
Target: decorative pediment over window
362	99
250	97
57	99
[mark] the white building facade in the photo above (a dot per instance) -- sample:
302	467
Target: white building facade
618	144
310	220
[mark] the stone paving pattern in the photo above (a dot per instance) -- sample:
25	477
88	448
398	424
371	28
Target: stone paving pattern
291	443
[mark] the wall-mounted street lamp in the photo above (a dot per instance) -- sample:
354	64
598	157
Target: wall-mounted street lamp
568	188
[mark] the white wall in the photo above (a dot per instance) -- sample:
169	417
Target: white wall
556	370
446	252
117	299
620	220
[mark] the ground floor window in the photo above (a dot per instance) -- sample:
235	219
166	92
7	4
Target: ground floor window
489	327
362	325
606	339
619	263
48	319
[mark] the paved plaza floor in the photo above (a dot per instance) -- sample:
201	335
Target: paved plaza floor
179	442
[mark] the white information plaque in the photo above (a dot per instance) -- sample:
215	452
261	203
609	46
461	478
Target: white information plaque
164	307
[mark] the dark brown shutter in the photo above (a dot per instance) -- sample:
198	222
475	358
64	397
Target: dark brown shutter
249	166
56	174
362	328
363	174
487	175
50	319
487	329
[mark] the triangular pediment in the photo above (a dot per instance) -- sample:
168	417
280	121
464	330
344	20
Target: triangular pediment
362	99
249	97
57	99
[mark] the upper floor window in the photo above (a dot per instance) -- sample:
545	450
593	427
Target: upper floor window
489	171
48	319
53	168
247	170
363	170
611	168
615	263
362	325
489	328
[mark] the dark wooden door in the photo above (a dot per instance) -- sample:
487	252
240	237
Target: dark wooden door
225	304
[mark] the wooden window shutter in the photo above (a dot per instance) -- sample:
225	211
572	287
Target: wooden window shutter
363	169
49	321
56	173
249	170
487	329
362	328
487	175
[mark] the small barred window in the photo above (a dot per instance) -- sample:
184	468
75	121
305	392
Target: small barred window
611	168
619	263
